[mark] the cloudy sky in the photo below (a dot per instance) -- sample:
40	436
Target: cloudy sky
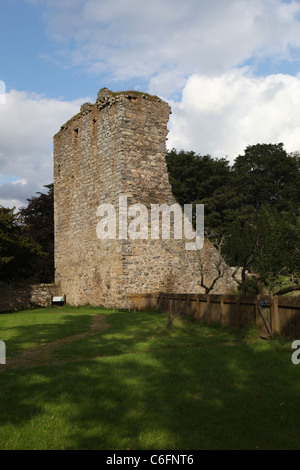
230	69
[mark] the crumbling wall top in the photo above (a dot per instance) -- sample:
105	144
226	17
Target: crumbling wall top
107	98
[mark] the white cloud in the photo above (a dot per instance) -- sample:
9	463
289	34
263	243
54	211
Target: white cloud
223	115
23	182
27	125
193	46
11	203
125	39
216	115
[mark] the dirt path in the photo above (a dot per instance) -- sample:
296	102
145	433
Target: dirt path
41	355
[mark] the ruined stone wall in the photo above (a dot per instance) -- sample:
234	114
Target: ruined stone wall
116	147
13	298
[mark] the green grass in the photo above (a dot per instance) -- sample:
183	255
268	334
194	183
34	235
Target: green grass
141	385
31	328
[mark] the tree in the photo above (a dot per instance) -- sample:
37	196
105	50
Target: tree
243	255
267	244
264	176
38	221
17	250
280	245
252	205
267	175
201	179
194	177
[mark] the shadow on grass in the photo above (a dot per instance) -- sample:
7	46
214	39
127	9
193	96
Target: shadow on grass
35	330
226	396
141	332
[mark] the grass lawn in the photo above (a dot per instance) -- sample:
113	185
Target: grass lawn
89	378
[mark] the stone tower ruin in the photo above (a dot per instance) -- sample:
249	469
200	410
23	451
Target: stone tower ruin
114	147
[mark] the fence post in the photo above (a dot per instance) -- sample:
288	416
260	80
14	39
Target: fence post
257	310
208	308
275	316
222	310
198	307
238	311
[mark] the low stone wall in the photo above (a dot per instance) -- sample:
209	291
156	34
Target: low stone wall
13	298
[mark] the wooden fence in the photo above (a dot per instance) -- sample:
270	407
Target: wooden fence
272	315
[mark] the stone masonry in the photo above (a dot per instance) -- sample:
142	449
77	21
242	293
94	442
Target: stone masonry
23	297
114	147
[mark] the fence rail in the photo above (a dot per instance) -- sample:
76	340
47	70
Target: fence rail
273	315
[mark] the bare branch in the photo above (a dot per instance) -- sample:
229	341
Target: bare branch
287	290
233	275
218	262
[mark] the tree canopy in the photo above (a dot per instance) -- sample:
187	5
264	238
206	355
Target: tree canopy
27	241
17	251
38	221
253	204
267	175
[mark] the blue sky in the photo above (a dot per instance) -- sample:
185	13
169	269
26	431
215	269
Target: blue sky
230	69
27	55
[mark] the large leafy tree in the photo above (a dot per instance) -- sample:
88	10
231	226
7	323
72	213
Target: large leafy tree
201	179
194	177
253	205
267	175
267	244
38	221
27	241
264	225
17	250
